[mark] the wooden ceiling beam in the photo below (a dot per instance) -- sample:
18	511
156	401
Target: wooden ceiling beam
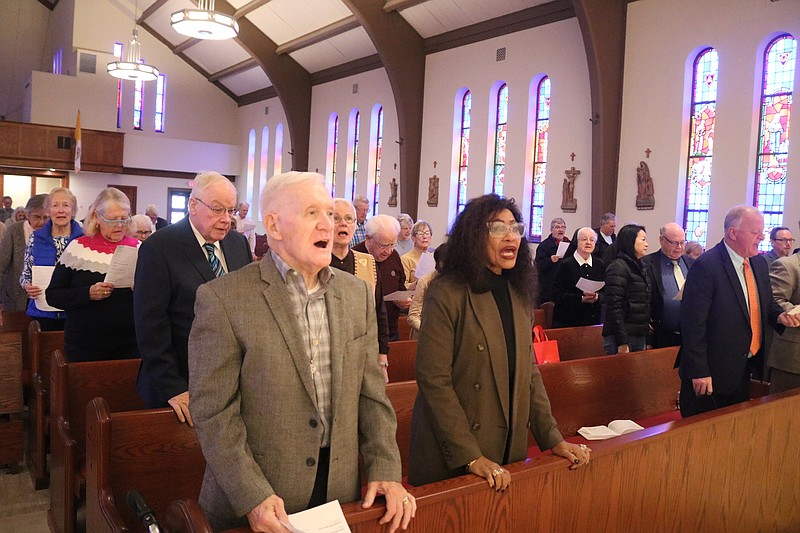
155	6
250	6
185	44
247	64
397	5
316	36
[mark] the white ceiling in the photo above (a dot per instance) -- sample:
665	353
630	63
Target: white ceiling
285	20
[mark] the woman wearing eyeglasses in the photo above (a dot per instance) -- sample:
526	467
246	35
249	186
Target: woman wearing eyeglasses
44	247
479	390
421	235
99	321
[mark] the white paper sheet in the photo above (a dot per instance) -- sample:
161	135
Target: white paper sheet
794	310
40	277
425	266
326	518
590	285
123	267
398	296
562	249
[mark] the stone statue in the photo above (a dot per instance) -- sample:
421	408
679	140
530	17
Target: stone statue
433	191
393	197
645	195
568	202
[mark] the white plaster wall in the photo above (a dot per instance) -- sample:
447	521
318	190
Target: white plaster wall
555	50
338	97
662	41
55	100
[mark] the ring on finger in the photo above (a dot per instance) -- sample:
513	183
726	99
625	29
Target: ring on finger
497	471
582	446
406	501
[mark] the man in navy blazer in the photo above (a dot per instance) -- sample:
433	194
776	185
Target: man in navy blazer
716	358
172	263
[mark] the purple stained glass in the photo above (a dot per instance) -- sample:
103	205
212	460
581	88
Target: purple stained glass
539	180
378	157
701	145
773	142
356	134
463	156
138	99
501	126
334	149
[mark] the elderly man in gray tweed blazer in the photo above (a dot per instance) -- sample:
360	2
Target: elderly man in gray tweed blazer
284	377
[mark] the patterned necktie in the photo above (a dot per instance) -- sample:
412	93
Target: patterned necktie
676	269
216	264
755	312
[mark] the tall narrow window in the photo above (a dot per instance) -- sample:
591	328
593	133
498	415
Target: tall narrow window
463	152
138	102
263	163
161	90
251	166
58	61
773	131
501	126
540	159
118	55
378	156
333	148
278	156
701	145
356	134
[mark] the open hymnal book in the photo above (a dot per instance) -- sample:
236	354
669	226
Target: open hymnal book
614	429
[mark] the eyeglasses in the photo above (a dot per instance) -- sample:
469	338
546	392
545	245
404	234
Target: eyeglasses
784	241
347	218
677	244
143	233
218	211
384	246
423	233
499	229
120	221
37	218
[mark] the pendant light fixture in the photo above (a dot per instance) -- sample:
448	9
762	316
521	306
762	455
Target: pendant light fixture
133	68
204	22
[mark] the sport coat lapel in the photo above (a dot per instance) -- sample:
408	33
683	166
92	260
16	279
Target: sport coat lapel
194	254
277	295
733	278
334	305
655	265
485	309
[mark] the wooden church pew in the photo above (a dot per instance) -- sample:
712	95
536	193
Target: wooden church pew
73	387
11	404
402	360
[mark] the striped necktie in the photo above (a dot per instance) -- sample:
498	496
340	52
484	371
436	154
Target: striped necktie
755	312
216	264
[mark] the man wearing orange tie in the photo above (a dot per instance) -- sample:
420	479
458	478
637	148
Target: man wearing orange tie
727	304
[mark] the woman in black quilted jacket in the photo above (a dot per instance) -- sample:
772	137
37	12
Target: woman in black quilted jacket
627	294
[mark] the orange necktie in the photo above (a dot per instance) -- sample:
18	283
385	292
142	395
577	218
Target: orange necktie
755	313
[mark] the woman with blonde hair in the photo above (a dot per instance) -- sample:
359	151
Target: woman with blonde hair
99	316
44	248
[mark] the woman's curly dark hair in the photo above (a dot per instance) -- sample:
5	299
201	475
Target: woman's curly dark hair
466	259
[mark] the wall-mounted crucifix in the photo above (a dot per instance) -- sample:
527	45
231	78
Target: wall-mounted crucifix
572	156
648	152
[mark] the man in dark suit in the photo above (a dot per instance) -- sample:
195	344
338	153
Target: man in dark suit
152	212
605	236
547	260
727	304
668	270
172	263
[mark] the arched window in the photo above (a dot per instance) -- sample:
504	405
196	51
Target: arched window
356	134
701	145
542	123
278	155
378	156
463	152
262	170
333	147
501	126
773	131
251	166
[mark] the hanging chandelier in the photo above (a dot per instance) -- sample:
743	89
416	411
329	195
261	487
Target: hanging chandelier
204	22
133	68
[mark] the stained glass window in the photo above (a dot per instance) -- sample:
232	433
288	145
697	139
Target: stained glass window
263	162
378	157
463	153
701	145
540	159
501	126
161	89
118	55
773	139
333	147
356	134
251	165
138	100
278	155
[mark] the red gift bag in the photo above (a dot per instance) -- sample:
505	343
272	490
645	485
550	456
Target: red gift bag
545	350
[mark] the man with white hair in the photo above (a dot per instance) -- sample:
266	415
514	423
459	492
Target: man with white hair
382	232
152	212
285	383
361	203
172	263
727	304
668	269
245	225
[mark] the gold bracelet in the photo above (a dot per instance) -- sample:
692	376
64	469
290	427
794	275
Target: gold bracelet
469	466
